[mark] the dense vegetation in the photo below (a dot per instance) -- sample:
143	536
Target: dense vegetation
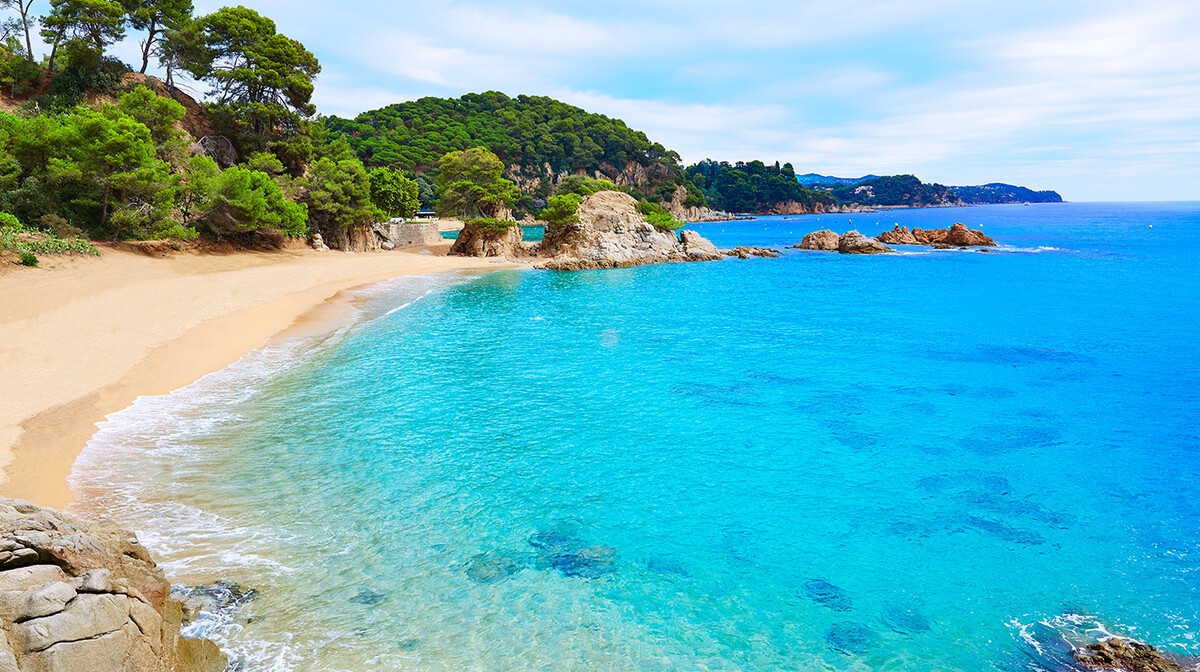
752	187
996	192
539	140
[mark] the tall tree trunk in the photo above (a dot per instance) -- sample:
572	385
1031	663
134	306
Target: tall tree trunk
104	212
25	23
53	52
146	46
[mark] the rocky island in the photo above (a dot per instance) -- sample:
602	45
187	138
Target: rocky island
853	242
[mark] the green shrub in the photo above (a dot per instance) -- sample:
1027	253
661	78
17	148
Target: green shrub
22	240
489	224
583	185
659	216
28	259
561	209
7	221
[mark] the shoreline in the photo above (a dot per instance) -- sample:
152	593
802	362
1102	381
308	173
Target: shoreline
154	325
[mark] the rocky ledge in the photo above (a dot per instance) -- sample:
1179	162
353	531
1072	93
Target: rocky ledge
82	596
611	233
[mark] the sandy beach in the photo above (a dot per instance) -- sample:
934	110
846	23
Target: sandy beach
81	338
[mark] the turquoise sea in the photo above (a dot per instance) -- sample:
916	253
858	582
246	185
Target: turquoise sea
937	460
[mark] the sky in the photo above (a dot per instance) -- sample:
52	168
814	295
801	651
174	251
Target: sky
1096	99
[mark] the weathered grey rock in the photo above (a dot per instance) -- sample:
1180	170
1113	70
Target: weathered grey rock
44	601
318	243
853	242
92	600
611	233
698	247
820	240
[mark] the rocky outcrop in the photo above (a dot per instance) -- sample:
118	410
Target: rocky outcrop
899	235
1128	655
80	596
697	247
611	233
853	242
743	252
478	241
819	240
958	236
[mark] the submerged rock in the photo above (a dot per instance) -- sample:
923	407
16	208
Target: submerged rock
571	556
851	638
853	242
78	596
369	597
820	240
826	594
904	619
494	567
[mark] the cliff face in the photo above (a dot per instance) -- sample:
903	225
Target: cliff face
81	596
611	233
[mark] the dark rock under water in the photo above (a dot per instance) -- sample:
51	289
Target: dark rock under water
904	619
850	637
495	567
370	598
825	593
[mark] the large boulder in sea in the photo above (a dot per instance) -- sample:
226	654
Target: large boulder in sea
489	238
899	235
611	233
82	596
820	240
958	236
853	242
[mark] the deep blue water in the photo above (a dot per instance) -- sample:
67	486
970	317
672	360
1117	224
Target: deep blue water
925	461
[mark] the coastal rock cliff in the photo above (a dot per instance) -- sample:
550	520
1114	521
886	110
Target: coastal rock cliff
611	233
81	596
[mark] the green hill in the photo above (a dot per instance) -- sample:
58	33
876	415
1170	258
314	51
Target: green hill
540	139
997	192
895	191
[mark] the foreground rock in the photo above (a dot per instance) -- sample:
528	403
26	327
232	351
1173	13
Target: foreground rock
1128	655
478	241
611	233
80	596
853	242
820	240
958	236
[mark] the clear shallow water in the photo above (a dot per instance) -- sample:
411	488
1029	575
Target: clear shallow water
813	462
